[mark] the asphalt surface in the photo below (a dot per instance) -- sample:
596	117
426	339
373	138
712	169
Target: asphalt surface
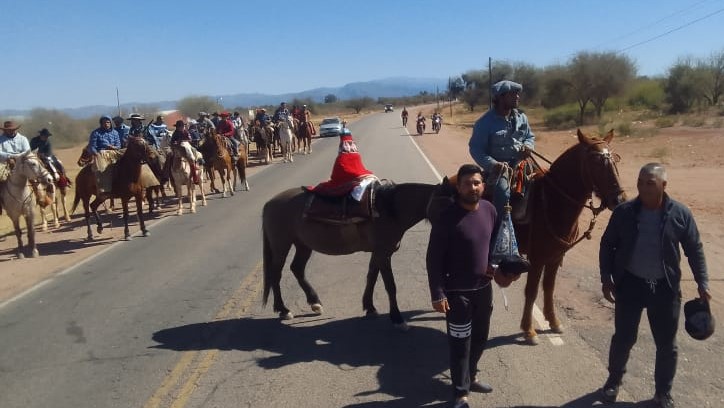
175	320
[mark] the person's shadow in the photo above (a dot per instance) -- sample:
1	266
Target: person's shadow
408	361
592	399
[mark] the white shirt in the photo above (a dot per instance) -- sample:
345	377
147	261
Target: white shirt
11	147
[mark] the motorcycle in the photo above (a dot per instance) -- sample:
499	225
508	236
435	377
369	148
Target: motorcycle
420	126
436	124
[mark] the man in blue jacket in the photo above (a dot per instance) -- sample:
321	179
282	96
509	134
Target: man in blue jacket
501	138
639	262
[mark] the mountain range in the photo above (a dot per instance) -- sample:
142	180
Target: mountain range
387	87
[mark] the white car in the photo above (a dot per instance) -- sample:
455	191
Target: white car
330	127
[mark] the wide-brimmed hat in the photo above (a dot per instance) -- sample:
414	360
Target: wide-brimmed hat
10	125
699	322
44	132
136	116
224	114
202	113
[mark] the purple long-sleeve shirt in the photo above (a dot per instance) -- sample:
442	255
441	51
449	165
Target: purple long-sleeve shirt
457	254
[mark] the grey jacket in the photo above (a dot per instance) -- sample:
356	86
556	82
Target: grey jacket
678	228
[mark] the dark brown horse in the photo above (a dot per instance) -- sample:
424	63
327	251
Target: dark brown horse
556	202
263	140
240	167
126	185
217	158
283	225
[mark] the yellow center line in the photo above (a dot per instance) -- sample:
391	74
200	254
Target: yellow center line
250	284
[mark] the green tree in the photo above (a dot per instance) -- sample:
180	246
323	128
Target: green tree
682	86
712	71
359	103
192	105
646	93
66	130
330	98
556	89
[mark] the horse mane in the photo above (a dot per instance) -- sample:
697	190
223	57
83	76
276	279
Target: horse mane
385	199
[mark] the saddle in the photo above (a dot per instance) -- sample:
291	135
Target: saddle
522	183
341	210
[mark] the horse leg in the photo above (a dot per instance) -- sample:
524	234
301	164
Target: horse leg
139	214
86	209
384	263
54	211
94	208
229	175
201	191
30	225
66	215
367	298
43	219
126	230
274	258
549	310
180	199
301	256
19	236
531	292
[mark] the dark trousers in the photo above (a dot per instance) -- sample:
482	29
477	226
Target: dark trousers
468	324
662	306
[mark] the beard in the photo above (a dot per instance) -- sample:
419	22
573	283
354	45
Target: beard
470	198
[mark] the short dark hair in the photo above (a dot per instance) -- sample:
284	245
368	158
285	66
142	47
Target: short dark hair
468	169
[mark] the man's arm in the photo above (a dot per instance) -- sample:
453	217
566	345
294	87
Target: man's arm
528	136
435	260
694	251
478	146
607	256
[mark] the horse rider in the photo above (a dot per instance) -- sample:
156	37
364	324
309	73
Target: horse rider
226	128
136	128
215	119
239	128
194	133
156	132
204	123
501	139
12	146
103	144
181	137
305	119
282	113
264	121
41	143
122	129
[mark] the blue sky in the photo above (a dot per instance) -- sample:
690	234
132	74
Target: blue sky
61	54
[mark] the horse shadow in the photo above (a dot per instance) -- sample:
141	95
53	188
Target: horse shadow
407	368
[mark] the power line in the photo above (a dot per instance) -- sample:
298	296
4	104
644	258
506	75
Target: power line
652	24
671	31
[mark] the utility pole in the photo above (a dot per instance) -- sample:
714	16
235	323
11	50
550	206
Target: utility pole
490	83
449	95
118	102
437	97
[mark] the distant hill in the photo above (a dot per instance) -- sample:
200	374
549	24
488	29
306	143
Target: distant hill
388	87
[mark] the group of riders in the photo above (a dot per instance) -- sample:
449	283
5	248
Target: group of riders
420	121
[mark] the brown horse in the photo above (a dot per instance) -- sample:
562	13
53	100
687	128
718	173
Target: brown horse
126	185
556	202
304	135
283	225
53	199
240	169
217	157
263	140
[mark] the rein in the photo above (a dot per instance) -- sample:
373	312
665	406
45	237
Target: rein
595	211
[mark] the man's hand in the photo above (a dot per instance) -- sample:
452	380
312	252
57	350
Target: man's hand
441	305
704	295
498	167
525	152
608	290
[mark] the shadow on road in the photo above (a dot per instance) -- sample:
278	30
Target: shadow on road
408	362
591	399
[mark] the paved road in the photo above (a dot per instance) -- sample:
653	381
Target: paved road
175	320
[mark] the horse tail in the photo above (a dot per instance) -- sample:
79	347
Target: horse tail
76	199
267	265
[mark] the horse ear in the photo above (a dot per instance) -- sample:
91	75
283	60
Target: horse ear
583	138
444	181
609	136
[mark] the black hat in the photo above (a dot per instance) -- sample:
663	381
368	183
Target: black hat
44	132
699	321
513	264
136	116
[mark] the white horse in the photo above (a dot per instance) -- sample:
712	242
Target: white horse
181	175
17	197
57	200
286	138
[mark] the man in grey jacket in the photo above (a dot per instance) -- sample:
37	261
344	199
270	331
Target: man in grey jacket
639	262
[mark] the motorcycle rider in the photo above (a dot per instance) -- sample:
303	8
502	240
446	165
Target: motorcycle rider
404	115
436	120
420	122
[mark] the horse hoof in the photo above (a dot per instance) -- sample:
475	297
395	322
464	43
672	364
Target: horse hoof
89	238
317	308
21	255
558	329
286	316
532	340
35	253
146	233
127	238
372	313
402	326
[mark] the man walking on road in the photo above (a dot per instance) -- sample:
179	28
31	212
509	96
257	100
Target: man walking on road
639	262
459	276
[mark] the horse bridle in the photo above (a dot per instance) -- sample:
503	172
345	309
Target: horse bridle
44	173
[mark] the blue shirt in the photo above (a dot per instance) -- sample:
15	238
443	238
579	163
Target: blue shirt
11	147
499	139
102	139
123	132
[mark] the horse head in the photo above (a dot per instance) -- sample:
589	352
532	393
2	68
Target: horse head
86	157
138	150
31	167
598	167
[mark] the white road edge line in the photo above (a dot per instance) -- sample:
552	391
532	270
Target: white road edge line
555	339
